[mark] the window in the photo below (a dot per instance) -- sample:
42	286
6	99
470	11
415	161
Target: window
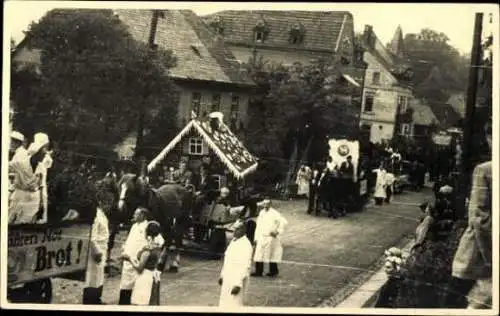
366	130
402	104
235	107
215	102
297	32
376	78
195	146
218	179
259	36
195	102
369	102
405	129
294	39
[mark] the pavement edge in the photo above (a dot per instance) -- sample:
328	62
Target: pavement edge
366	294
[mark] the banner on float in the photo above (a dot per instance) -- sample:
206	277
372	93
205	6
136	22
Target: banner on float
41	252
340	149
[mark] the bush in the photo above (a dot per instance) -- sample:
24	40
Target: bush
68	189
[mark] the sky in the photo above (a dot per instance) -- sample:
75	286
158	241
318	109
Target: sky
455	20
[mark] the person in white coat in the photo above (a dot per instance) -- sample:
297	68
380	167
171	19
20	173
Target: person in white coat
268	248
236	268
19	155
96	259
41	171
380	184
146	289
27	198
136	240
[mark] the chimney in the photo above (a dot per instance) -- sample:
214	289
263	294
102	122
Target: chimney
216	119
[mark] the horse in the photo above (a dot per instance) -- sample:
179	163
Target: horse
170	205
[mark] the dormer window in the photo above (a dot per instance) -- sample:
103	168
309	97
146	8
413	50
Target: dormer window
261	31
297	32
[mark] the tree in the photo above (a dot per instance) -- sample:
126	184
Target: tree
92	79
297	103
429	49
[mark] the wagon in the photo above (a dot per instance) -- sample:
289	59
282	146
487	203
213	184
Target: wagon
209	140
38	252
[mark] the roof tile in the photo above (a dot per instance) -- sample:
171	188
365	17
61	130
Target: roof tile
199	54
322	28
422	113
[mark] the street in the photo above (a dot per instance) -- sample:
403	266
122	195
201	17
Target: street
322	257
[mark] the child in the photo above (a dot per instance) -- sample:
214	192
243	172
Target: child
146	290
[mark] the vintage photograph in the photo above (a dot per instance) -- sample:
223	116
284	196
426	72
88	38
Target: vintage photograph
273	155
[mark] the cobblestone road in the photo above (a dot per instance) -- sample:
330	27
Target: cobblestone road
321	257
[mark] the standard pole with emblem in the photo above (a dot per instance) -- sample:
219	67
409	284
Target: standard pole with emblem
465	177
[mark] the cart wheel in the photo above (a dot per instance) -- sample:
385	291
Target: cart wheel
200	232
39	291
217	243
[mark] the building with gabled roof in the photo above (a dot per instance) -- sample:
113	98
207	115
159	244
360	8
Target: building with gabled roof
445	114
420	121
289	36
209	139
387	86
286	36
207	75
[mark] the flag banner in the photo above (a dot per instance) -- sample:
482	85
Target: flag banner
340	149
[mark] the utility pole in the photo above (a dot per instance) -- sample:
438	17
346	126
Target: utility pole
143	107
465	177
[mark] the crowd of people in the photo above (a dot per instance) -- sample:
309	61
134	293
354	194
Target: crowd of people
256	235
450	266
336	188
256	238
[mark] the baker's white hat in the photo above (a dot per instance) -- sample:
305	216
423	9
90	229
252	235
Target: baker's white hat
17	136
39	140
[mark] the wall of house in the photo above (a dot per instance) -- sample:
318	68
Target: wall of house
243	54
379	130
385	99
186	98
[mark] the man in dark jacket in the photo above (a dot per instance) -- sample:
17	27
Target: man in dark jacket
313	188
346	184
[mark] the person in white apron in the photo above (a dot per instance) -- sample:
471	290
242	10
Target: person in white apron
136	240
268	248
96	259
146	290
16	172
302	182
236	268
380	184
26	200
